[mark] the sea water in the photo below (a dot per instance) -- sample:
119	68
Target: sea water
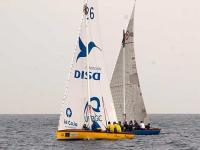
37	132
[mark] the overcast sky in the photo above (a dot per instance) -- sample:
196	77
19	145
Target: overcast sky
37	38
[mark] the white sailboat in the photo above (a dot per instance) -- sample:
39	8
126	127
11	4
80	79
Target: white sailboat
88	97
125	86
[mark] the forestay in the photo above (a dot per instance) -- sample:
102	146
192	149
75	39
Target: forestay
134	104
75	110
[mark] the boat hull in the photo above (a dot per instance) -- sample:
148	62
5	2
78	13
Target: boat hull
154	131
87	135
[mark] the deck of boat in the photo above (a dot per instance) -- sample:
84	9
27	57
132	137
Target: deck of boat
87	135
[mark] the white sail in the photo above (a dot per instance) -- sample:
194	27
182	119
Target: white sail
80	92
134	104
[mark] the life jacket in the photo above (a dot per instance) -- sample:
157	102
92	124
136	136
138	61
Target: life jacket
108	127
111	128
118	128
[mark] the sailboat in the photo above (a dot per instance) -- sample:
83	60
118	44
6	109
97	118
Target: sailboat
125	86
87	97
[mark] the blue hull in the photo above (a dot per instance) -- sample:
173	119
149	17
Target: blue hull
147	132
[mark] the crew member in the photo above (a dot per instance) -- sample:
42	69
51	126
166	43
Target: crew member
130	126
110	127
148	126
125	127
142	126
85	127
95	126
120	124
136	125
117	127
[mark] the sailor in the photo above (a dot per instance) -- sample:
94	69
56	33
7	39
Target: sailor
95	126
125	126
120	124
136	125
117	127
110	127
142	126
148	126
130	126
85	127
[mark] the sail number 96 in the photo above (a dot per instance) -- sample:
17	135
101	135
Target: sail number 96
89	11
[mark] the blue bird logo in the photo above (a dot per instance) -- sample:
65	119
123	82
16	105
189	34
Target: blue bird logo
83	52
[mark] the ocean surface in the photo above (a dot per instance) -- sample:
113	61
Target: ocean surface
37	132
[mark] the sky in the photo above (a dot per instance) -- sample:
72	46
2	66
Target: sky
37	38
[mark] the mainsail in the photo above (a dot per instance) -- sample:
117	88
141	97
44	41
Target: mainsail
125	81
88	96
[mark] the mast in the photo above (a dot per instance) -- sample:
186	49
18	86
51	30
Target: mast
124	75
88	67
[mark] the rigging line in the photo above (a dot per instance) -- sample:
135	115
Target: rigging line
73	57
104	111
88	79
90	34
103	68
124	74
139	88
103	125
104	73
124	65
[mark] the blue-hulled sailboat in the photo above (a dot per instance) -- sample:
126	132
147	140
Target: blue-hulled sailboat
125	86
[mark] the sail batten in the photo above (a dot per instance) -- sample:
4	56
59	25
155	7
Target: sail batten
134	104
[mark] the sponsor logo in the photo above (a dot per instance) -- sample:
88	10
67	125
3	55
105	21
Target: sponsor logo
95	108
83	52
68	122
84	75
68	112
